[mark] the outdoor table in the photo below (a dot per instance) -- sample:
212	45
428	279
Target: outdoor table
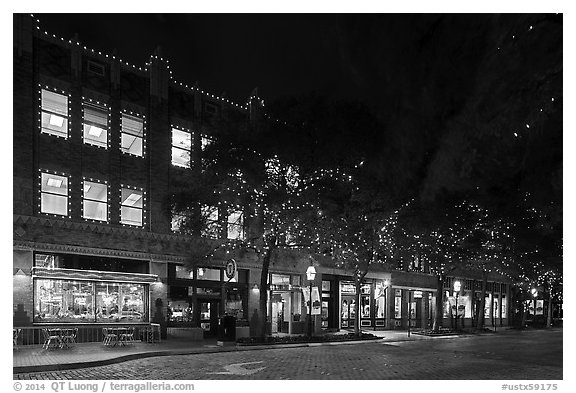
52	335
121	333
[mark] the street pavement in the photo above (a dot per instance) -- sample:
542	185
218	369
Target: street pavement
512	355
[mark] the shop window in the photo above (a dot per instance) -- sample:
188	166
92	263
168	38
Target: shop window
46	260
54	114
504	306
96	125
365	306
236	225
280	279
184	272
180	311
131	206
181	148
296	280
495	309
203	273
95	201
132	135
63	301
54	194
117	302
234	304
380	301
211	228
398	303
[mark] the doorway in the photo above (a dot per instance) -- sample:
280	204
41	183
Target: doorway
208	311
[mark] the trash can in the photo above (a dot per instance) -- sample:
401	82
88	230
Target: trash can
227	328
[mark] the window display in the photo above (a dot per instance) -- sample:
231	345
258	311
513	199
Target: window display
120	303
63	301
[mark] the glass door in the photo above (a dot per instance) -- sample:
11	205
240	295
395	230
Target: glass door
208	310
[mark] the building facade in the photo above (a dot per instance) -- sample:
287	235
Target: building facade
100	145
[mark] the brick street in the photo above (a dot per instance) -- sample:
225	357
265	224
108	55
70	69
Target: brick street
533	355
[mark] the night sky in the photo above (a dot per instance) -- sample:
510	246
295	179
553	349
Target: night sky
348	56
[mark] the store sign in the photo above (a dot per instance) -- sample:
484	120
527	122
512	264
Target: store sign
417	294
231	268
347	288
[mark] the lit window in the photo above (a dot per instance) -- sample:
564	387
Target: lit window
54	114
132	135
236	225
131	207
95	201
211	226
96	125
54	194
203	273
181	221
181	148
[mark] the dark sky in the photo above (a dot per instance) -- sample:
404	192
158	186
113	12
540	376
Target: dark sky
341	56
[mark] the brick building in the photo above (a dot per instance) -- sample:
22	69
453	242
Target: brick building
99	145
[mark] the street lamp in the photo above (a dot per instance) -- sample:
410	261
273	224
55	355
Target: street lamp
457	286
310	274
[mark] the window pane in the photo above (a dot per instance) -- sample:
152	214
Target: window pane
55	103
131	216
54	184
181	139
95	191
63	301
280	279
120	303
235	225
54	124
132	125
96	135
131	144
95	210
54	204
96	116
208	274
180	157
183	272
131	198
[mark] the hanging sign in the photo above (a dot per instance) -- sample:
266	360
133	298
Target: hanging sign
231	268
417	294
315	301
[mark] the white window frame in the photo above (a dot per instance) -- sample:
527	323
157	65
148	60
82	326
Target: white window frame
125	205
125	131
92	182
179	147
53	113
46	192
87	125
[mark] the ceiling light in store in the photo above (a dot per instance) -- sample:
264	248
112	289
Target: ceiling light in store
132	199
95	131
52	182
56	121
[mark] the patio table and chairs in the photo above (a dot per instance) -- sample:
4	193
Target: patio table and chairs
118	335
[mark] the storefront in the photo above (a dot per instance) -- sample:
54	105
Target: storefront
198	297
372	304
82	296
286	304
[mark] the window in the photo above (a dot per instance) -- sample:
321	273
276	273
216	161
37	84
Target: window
123	303
211	228
63	301
95	201
181	148
54	194
54	114
236	225
182	221
131	205
184	272
96	125
203	273
95	68
132	135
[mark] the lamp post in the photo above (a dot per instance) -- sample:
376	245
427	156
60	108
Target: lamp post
457	286
534	292
310	274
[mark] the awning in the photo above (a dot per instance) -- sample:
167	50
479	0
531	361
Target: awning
93	275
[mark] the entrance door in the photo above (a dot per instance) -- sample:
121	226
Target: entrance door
208	317
348	311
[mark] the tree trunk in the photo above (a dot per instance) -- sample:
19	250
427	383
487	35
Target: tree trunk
263	304
480	322
549	316
439	312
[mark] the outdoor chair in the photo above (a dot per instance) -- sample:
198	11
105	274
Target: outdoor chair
127	336
69	337
51	339
15	335
109	336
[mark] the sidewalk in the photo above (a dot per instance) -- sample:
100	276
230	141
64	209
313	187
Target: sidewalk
33	359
